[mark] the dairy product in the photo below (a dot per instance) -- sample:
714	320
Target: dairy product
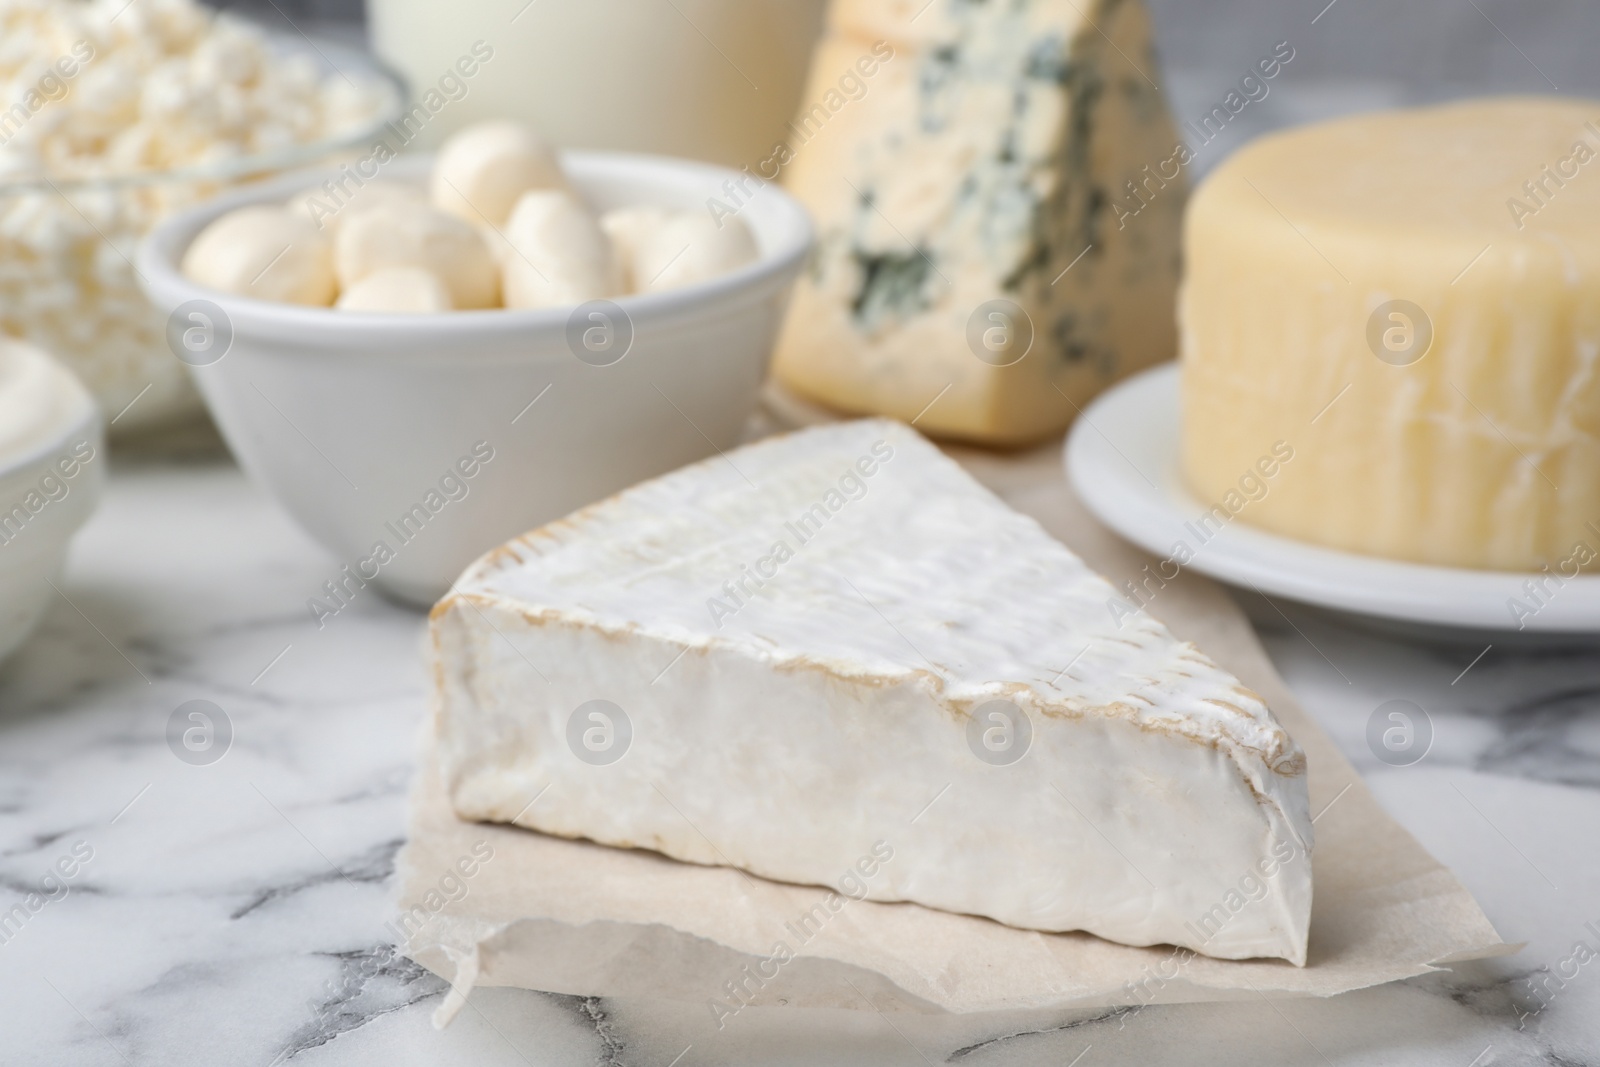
397	290
482	171
836	641
561	256
422	237
51	471
98	89
38	400
265	252
628	228
1411	301
548	250
701	79
970	272
327	215
685	247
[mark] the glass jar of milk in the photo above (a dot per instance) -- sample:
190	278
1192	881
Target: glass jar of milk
706	79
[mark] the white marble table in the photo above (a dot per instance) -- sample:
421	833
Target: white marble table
231	913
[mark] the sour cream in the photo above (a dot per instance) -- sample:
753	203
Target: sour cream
39	401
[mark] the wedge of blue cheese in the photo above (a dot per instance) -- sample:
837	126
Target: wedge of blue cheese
834	647
1007	161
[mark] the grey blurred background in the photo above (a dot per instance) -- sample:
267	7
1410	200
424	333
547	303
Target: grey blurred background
1364	54
1351	55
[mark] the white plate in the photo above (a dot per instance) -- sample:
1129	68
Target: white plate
1122	458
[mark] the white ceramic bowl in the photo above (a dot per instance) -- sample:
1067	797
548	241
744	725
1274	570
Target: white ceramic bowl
52	465
364	426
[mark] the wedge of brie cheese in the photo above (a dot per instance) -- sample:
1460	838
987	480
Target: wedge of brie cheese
834	658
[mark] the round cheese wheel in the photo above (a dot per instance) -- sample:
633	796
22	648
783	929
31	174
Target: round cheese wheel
1390	330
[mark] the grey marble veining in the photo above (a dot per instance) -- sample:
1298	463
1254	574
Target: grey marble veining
233	911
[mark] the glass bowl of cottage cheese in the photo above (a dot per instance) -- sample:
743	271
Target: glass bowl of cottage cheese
114	115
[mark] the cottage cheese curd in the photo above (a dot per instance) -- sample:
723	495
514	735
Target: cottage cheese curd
101	89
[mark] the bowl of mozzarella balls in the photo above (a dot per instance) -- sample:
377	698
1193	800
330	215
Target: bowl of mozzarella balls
421	358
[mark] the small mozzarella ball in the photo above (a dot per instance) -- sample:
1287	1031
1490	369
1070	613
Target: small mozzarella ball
690	247
400	290
481	171
327	209
264	252
628	228
392	236
559	253
500	248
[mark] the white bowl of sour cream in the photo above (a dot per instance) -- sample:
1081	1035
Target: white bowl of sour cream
52	464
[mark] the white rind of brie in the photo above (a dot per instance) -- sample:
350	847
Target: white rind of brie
799	633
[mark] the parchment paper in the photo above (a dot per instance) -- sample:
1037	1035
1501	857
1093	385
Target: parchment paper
573	917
